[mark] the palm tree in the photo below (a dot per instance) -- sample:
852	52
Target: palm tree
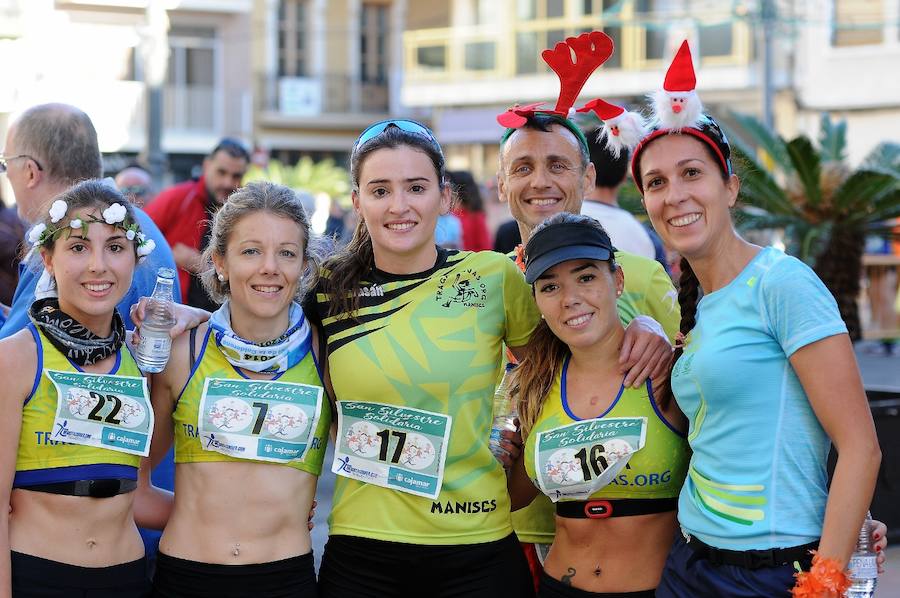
307	175
825	207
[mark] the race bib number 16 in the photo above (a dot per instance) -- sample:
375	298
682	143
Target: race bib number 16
395	447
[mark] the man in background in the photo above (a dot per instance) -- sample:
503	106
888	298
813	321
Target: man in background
136	184
602	203
48	149
184	211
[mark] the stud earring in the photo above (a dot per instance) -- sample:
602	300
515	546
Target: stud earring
221	277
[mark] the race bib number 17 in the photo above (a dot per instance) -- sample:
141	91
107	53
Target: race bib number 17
395	447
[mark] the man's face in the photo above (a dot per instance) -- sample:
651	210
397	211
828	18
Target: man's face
541	174
223	173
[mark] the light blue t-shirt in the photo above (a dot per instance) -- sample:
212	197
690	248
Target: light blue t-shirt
141	284
757	477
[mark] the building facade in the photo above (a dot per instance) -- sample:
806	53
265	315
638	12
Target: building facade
481	56
98	54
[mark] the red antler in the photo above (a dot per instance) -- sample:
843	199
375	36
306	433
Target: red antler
591	50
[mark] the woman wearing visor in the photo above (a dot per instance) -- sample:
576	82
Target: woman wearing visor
610	457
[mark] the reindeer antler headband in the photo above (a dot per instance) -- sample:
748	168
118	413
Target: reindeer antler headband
590	51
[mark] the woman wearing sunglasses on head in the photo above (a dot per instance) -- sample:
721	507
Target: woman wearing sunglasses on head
76	412
415	339
610	457
243	397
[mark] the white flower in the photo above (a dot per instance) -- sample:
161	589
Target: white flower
76	223
129	234
141	237
34	235
114	213
146	248
58	210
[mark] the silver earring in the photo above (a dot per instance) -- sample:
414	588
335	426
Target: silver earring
221	277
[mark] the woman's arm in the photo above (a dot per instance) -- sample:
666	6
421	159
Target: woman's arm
521	489
646	351
828	372
18	364
186	317
152	505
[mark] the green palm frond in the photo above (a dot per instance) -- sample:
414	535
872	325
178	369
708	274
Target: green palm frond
832	139
866	193
759	188
884	158
313	177
808	167
759	136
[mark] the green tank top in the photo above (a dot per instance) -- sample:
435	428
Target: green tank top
41	459
258	414
657	470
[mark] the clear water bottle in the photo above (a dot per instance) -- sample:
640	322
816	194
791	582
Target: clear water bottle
504	413
863	564
152	352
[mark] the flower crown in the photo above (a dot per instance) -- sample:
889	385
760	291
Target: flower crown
114	215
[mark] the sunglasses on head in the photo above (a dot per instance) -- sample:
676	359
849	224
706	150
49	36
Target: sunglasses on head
410	126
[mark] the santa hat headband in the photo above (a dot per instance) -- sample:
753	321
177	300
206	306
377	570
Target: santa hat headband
677	110
590	51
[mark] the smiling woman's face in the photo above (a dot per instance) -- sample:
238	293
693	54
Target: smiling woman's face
685	195
93	271
400	199
263	264
577	299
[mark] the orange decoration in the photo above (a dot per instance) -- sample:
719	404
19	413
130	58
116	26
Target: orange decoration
826	579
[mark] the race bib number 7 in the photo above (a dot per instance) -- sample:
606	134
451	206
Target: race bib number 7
263	420
394	447
101	410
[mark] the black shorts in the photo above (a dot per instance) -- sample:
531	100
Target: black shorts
364	568
34	577
288	578
553	588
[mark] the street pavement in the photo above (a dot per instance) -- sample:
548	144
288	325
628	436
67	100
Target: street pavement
878	370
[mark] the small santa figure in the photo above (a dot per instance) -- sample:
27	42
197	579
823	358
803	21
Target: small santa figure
622	130
677	105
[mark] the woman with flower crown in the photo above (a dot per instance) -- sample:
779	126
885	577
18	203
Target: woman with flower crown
76	413
242	398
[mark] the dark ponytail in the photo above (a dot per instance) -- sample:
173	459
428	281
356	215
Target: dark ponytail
688	295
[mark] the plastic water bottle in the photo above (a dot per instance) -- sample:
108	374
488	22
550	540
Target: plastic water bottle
504	413
863	564
153	351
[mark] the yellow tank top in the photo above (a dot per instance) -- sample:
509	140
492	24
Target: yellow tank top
41	460
655	471
212	364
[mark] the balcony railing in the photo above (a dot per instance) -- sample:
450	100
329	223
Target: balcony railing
512	48
328	94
